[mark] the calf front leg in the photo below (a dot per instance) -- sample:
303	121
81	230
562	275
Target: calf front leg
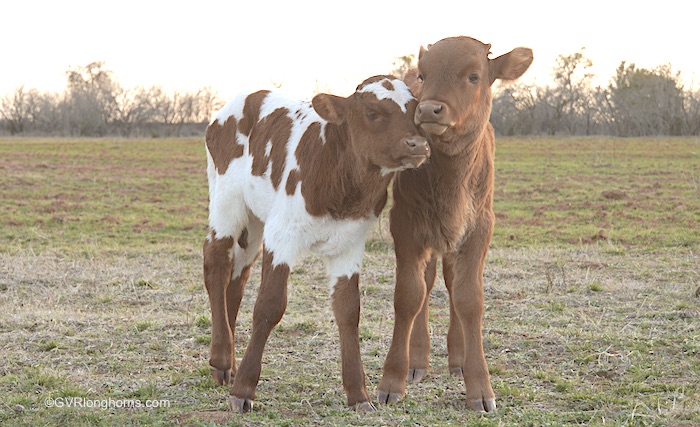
346	309
467	299
217	274
420	334
408	299
270	306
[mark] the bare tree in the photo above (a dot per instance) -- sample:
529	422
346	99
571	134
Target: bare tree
402	64
647	102
15	109
569	95
91	99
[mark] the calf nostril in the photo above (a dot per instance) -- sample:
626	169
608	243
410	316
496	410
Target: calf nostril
438	109
416	142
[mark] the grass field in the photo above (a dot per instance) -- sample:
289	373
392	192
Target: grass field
592	307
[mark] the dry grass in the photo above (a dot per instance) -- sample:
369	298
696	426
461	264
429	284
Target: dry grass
576	333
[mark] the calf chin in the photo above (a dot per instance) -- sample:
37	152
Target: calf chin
432	128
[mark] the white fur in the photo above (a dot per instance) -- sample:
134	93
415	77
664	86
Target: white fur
239	200
401	95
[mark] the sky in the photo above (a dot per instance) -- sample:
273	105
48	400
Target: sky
330	45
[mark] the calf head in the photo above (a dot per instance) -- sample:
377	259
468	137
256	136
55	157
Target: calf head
453	84
379	121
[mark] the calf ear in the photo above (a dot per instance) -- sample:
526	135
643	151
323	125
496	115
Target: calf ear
511	65
330	107
411	80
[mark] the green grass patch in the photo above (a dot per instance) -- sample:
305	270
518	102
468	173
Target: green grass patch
591	313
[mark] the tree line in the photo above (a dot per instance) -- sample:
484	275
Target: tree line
635	102
95	104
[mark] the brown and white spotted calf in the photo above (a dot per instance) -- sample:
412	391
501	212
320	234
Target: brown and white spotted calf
289	177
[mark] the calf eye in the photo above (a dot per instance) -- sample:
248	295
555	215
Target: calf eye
420	78
473	78
372	115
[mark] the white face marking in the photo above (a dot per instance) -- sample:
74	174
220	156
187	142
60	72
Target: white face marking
401	95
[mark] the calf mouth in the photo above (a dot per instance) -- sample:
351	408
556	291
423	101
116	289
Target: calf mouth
434	128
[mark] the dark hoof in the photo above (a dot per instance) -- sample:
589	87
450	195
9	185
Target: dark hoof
457	371
482	405
388	398
364	407
416	375
222	377
240	405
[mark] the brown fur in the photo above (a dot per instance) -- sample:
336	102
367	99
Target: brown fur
222	144
274	129
446	210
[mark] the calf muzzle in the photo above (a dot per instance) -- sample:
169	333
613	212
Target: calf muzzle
418	150
432	117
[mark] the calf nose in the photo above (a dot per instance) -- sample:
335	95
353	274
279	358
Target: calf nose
416	141
417	145
430	111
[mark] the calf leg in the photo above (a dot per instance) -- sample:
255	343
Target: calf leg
270	306
346	309
455	336
217	274
408	299
246	252
420	335
468	301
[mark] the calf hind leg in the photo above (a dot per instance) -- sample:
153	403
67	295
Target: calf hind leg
270	306
217	274
246	251
455	336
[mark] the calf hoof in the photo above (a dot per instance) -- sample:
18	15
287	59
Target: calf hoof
482	405
416	375
240	405
456	371
388	398
222	377
364	407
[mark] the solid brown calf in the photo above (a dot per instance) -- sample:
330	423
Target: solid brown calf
445	210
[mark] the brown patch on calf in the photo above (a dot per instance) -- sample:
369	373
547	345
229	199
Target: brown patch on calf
251	111
276	130
243	240
323	173
222	143
387	84
308	146
292	181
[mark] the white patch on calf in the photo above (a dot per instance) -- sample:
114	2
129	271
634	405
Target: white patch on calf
401	94
388	171
232	108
